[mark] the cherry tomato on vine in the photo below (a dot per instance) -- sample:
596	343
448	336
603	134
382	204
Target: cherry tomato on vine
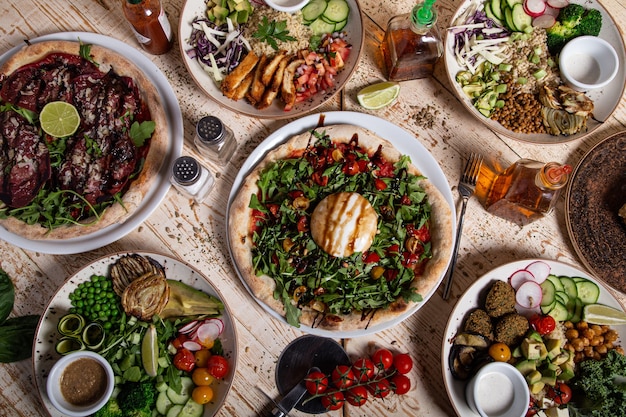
383	359
342	376
316	383
379	389
560	393
218	366
333	400
400	384
184	360
363	369
357	396
403	363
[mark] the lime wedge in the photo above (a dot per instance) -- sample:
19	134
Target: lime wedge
601	314
377	96
59	119
150	351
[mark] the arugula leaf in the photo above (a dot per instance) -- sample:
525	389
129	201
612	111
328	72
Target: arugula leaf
85	52
140	132
271	32
29	115
7	295
16	338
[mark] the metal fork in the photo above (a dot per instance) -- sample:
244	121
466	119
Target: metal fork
467	185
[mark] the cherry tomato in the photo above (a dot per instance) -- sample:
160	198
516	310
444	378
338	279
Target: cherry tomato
371	257
500	352
202	394
357	396
383	359
218	366
202	377
403	363
400	384
560	393
178	342
202	357
342	376
333	400
380	184
379	389
363	369
543	324
184	360
316	383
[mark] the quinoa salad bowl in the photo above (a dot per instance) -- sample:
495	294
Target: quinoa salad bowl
527	78
312	43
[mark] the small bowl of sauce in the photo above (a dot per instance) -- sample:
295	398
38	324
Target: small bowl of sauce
288	6
498	390
80	383
588	63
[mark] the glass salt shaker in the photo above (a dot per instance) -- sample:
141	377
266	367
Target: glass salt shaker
191	179
214	139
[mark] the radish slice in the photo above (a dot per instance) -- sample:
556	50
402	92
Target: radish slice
189	327
540	271
534	8
192	346
552	11
207	331
520	277
545	21
529	295
558	4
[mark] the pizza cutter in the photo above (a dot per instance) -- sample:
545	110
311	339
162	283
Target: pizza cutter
298	359
293	397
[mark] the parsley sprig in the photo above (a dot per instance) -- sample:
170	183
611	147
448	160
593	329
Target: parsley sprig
271	32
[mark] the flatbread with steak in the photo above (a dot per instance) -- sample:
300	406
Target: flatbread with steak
59	188
336	230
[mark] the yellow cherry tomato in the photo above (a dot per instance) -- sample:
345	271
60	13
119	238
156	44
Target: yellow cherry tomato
202	377
500	352
202	357
202	394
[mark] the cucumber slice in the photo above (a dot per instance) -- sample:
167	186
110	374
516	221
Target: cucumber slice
562	297
337	10
319	27
314	9
163	403
578	311
569	286
559	312
496	9
548	293
173	412
191	409
556	281
546	309
512	3
185	393
588	291
508	19
340	25
521	19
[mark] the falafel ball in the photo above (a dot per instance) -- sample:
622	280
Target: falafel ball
500	300
511	329
479	322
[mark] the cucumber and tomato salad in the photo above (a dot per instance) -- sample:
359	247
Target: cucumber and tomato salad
564	297
326	16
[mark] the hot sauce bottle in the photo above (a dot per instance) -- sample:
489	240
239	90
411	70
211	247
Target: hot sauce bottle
527	190
150	24
412	44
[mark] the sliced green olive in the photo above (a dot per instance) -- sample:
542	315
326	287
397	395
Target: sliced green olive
71	325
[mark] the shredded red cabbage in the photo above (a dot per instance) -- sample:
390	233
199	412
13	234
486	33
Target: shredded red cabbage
226	59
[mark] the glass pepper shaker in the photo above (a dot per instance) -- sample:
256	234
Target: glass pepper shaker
191	179
214	139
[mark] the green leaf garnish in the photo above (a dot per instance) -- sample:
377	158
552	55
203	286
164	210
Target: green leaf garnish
140	132
271	32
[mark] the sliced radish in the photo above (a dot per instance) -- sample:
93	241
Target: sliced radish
192	346
540	271
534	8
558	4
189	327
552	11
545	21
529	295
519	277
208	331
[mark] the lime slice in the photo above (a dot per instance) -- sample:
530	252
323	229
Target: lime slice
377	96
150	351
59	119
601	314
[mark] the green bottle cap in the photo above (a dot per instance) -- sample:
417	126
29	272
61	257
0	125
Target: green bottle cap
423	13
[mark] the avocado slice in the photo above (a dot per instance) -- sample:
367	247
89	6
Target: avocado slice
187	301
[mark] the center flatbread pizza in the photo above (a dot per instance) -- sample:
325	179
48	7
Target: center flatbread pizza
337	230
59	188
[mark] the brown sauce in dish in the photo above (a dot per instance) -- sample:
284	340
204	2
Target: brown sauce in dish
83	382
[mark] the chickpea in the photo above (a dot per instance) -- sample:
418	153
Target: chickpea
619	350
571	334
602	349
578	345
588	351
568	324
589	333
597	328
582	325
611	336
596	341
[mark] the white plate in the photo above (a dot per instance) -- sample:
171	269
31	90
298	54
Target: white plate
471	299
355	36
406	143
605	99
44	353
153	198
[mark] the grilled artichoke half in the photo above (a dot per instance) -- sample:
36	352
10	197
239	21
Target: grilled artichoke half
146	296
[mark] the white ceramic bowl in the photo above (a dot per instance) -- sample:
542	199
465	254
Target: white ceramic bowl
498	389
53	385
587	63
289	6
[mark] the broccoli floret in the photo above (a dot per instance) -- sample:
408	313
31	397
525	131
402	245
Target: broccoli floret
573	20
110	409
137	399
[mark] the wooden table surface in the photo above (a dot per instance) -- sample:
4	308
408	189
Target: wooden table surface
427	108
